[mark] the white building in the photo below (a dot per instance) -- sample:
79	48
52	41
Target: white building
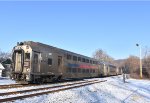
1	68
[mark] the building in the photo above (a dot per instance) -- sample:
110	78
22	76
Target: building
1	69
7	70
7	65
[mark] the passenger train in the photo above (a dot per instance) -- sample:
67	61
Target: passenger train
34	62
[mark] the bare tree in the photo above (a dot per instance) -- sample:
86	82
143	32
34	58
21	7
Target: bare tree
146	62
131	65
102	56
4	56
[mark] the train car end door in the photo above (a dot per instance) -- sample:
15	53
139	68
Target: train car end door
36	62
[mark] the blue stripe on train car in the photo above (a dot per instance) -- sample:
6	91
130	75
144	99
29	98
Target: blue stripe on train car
73	65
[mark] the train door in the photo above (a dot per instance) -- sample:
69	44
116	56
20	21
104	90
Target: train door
36	62
108	71
18	62
60	61
105	70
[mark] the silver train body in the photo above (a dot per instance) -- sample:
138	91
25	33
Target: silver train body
35	62
107	69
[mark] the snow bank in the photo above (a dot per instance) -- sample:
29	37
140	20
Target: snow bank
112	91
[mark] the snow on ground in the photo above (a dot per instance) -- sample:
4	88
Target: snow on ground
6	80
111	91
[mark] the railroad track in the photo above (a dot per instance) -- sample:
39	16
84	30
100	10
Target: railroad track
10	86
48	90
16	86
28	85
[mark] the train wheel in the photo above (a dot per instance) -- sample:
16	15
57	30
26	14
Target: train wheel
59	78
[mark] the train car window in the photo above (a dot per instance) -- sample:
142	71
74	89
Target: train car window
83	59
74	70
79	70
27	56
79	59
94	62
75	58
49	61
90	70
87	60
87	71
91	61
93	70
83	70
35	58
69	56
59	60
69	70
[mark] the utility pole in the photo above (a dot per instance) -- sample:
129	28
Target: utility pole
141	75
124	74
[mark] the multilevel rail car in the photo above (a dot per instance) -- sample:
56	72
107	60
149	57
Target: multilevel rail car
107	69
34	62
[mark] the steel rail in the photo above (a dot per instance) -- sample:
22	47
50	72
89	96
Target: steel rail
45	88
47	92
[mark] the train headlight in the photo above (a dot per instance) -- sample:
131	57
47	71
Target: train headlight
27	77
28	70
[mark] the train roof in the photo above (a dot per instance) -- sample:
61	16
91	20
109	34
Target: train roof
35	46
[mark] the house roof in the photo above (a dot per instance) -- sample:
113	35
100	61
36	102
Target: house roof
1	67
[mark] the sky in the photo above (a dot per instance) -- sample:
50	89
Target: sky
78	26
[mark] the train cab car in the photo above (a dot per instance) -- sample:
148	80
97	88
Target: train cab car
22	60
35	62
